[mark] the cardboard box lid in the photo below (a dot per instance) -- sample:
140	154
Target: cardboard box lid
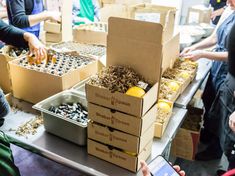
135	44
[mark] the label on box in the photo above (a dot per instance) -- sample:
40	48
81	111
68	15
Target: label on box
150	17
193	17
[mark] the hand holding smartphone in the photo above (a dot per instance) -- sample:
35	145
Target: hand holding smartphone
161	167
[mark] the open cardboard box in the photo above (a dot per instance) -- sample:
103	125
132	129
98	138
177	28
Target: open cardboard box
52	27
118	157
118	139
120	121
139	47
5	81
34	86
199	14
158	14
85	34
161	127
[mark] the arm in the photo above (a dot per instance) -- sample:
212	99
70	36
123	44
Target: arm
20	38
20	19
195	55
232	122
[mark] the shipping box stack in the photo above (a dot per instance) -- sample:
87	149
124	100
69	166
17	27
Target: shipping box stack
122	126
165	16
58	32
8	53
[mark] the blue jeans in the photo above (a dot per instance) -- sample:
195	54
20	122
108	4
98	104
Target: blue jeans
4	107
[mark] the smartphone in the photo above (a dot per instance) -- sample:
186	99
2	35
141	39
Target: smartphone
161	167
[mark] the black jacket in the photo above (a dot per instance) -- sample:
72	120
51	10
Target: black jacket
11	35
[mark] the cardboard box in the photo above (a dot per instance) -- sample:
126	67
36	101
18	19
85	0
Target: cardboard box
161	127
127	2
113	10
199	14
120	121
34	86
158	14
186	141
53	37
118	157
170	52
139	47
84	34
5	81
119	139
52	27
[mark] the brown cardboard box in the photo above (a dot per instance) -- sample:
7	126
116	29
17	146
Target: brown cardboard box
53	37
118	157
161	127
52	27
139	47
170	52
5	82
34	86
119	139
199	14
120	121
186	140
113	10
154	13
84	34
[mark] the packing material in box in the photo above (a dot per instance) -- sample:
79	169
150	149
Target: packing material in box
120	121
52	27
118	157
199	14
158	14
164	113
33	83
94	33
138	46
186	140
8	53
118	139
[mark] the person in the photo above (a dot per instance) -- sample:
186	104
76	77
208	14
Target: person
27	14
146	171
218	9
19	38
85	11
222	112
217	76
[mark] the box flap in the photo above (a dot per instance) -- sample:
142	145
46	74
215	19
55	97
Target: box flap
136	44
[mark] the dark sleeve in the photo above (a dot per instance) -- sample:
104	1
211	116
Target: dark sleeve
17	10
11	35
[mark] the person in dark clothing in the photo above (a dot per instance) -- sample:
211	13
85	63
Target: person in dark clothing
216	78
223	108
19	38
27	14
218	8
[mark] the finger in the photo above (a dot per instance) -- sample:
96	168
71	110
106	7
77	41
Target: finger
144	168
182	173
177	168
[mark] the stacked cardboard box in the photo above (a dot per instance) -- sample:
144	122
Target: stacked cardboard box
122	127
53	31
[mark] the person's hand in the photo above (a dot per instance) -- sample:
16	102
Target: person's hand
186	50
36	47
146	171
53	15
216	13
232	121
195	55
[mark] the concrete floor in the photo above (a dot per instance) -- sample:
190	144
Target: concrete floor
33	164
